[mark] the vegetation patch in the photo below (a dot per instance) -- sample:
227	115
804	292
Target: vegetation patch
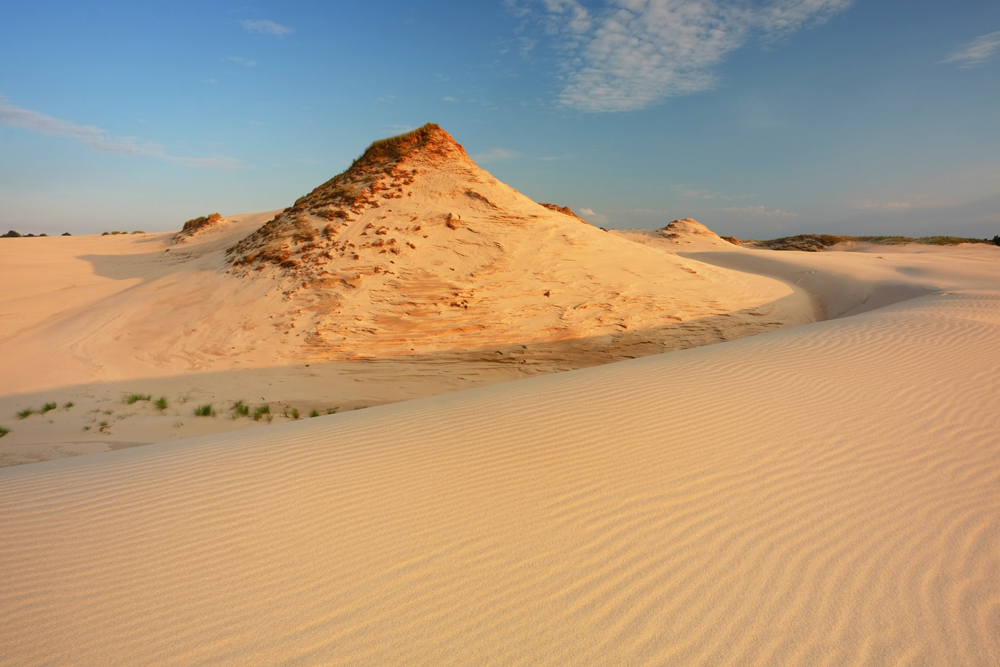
240	408
262	411
195	225
204	410
135	398
48	407
24	414
4	431
818	242
161	403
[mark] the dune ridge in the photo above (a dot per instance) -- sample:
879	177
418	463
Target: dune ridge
821	495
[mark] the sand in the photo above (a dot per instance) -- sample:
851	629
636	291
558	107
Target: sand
817	487
822	494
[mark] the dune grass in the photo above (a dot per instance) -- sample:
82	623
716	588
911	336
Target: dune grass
204	410
262	411
48	407
240	408
135	398
313	413
67	406
4	431
24	414
161	403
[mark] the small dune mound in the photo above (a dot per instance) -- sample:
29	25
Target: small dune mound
562	209
195	225
679	229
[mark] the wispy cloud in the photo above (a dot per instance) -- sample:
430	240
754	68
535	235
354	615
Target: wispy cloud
494	155
869	205
99	140
593	217
246	62
449	98
980	50
760	212
633	53
266	28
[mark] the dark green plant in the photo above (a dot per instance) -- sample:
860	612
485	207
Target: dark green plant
161	403
241	408
314	413
260	411
4	431
67	406
204	410
135	398
48	407
331	411
24	414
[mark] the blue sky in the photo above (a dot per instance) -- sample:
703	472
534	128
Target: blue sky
759	118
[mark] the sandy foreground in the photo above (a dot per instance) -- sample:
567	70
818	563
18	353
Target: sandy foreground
820	494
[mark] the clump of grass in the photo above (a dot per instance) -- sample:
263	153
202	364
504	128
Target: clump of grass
161	403
48	407
135	398
240	408
262	411
4	431
291	412
204	410
24	414
67	406
314	413
360	407
331	411
104	427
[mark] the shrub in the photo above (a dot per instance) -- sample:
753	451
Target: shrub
161	403
241	408
204	411
260	411
48	407
295	413
67	406
996	240
135	398
331	411
104	427
4	431
24	414
314	413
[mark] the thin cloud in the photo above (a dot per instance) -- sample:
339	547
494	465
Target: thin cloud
635	53
246	62
760	212
494	155
869	205
266	28
980	50
99	140
593	217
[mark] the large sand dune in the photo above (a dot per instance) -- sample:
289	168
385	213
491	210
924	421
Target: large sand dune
819	495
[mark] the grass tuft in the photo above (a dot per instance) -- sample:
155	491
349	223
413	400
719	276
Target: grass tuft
135	398
67	406
161	403
204	410
24	414
104	427
314	413
48	407
261	411
331	411
241	408
4	431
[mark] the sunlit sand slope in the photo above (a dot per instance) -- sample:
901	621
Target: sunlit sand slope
823	495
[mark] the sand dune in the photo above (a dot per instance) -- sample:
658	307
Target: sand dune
818	495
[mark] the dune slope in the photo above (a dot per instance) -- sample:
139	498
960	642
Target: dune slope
821	495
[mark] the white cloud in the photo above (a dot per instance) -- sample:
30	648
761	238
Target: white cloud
266	28
97	139
494	155
760	212
869	205
637	52
386	99
246	62
592	217
976	52
448	99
